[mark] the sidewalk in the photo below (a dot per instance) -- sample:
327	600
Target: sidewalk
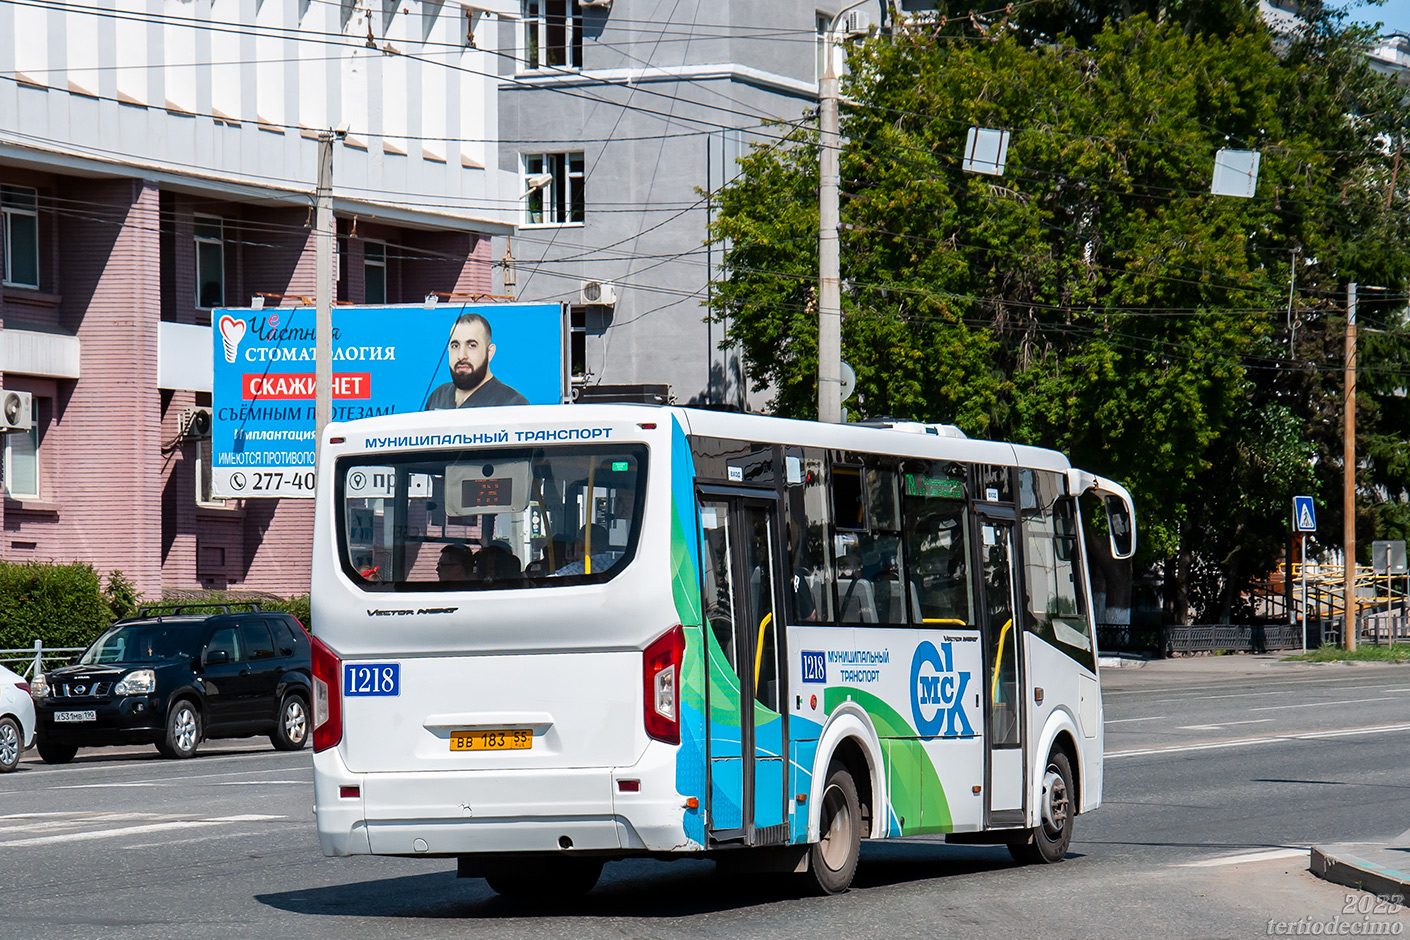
1379	868
1121	673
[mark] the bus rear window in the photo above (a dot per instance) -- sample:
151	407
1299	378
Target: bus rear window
471	520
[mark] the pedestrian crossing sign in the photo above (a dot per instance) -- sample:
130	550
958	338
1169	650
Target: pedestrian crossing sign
1304	514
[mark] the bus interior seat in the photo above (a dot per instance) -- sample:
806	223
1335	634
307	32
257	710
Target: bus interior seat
814	580
858	601
889	601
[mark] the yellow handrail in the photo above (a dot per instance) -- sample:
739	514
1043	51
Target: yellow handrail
994	686
587	530
759	650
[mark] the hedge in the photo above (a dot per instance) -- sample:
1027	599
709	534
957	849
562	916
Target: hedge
298	606
68	605
62	605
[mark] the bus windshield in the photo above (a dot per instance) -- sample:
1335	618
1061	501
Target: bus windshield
490	519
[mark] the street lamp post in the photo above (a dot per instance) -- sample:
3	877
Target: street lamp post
829	258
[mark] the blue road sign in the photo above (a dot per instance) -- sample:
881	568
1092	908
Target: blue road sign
1304	514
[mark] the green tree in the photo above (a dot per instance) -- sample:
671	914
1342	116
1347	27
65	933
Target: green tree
1096	298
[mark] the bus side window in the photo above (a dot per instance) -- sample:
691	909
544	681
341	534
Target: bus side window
937	543
806	505
1055	608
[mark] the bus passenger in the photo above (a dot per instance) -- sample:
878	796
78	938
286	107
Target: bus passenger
591	538
455	563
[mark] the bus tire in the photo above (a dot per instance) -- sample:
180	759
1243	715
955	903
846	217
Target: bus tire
563	877
833	858
1047	842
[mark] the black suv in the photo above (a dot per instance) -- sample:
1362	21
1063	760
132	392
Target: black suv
173	676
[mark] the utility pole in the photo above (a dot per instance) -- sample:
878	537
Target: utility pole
323	235
1348	485
829	258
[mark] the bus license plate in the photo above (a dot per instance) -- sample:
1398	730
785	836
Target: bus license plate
89	715
510	739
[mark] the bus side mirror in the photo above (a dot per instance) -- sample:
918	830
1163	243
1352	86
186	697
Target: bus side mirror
1118	523
1120	511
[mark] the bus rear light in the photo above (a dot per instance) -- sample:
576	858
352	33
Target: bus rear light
629	786
327	698
661	667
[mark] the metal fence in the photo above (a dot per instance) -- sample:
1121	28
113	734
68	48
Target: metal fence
1160	640
33	657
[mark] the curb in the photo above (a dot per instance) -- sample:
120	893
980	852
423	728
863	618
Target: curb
1120	662
1337	864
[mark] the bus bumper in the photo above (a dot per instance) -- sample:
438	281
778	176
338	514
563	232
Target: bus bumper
604	810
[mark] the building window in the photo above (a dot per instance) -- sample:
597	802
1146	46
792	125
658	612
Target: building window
19	234
22	458
561	201
577	341
553	34
203	476
374	272
210	262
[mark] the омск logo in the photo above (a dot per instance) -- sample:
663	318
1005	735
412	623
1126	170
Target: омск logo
937	692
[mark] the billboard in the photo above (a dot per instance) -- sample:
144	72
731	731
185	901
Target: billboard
386	360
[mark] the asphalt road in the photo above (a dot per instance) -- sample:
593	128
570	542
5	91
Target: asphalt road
1220	772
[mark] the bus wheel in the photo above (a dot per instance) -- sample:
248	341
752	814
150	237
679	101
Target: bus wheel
1047	842
833	858
562	877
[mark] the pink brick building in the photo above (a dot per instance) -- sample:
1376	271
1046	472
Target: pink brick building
161	163
106	476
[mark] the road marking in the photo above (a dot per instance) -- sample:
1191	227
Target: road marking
142	760
106	786
1222	724
121	831
172	779
106	833
1117	721
1246	858
1267	687
69	820
1247	742
266	783
1350	701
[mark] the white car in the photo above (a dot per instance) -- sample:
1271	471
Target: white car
16	719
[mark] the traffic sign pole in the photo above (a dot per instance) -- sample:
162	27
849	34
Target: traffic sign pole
1304	523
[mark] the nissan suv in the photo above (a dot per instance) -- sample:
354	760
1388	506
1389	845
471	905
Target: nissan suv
175	675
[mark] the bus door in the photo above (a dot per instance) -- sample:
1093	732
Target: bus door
1003	670
741	557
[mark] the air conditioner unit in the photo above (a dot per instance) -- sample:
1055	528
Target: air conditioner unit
195	424
603	293
16	411
855	23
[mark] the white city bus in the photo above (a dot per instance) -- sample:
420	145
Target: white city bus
552	636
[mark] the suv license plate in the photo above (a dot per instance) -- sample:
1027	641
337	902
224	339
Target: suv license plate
510	739
89	715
